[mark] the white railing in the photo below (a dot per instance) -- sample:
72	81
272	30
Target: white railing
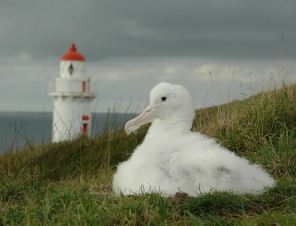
91	87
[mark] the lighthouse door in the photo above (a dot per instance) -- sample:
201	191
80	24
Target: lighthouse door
84	128
85	119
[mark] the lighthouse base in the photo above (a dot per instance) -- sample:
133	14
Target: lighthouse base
71	118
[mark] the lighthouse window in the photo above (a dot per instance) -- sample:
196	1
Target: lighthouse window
83	87
71	69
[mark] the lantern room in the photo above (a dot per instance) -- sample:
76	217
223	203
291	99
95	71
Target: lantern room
72	64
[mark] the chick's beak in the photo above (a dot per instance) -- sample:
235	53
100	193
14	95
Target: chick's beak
145	117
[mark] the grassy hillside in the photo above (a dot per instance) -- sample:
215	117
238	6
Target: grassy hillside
69	183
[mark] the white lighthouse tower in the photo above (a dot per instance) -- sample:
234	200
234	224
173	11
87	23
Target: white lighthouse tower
72	96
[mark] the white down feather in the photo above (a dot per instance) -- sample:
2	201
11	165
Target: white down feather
173	159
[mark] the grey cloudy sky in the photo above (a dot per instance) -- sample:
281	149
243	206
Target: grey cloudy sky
131	45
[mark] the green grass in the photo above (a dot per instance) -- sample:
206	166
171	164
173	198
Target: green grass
69	183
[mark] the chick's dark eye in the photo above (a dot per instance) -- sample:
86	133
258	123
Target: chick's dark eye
163	98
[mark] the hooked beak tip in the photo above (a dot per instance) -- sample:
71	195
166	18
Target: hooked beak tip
126	128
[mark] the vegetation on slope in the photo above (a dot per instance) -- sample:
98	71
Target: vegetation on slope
68	183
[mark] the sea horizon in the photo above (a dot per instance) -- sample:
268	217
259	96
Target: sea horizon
19	129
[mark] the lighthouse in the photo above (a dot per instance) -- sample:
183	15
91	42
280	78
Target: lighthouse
72	94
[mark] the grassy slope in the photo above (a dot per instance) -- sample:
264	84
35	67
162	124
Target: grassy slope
69	182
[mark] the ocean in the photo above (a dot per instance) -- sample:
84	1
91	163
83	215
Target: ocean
20	129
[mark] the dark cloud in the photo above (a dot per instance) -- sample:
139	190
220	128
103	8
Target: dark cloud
132	28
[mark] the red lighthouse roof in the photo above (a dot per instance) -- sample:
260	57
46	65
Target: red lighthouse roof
73	54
